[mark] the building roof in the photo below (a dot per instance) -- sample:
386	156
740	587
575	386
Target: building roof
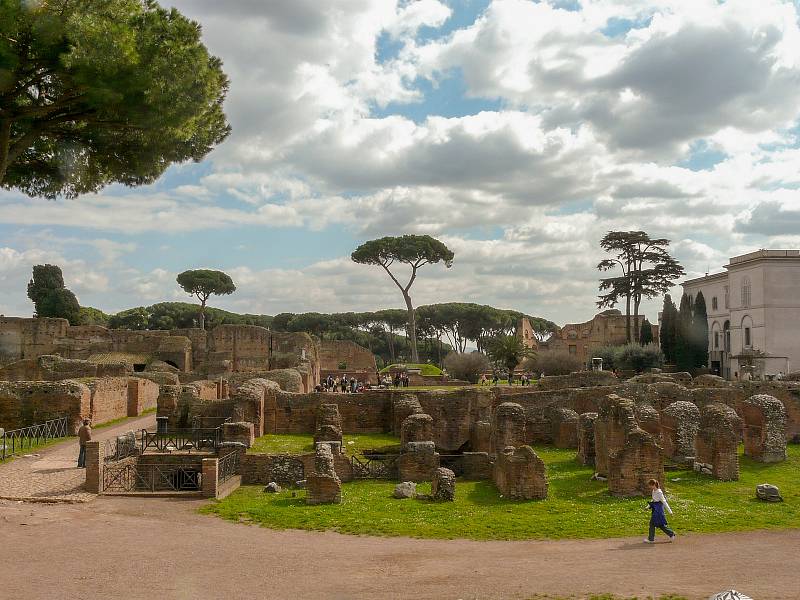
745	258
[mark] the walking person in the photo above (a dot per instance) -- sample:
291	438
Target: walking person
84	435
658	518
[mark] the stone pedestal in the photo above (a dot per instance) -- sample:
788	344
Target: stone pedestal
418	461
519	473
443	485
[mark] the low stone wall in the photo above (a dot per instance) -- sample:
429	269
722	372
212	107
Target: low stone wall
286	469
51	367
26	403
109	399
142	396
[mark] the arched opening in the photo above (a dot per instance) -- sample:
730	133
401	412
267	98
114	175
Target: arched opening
747	333
726	328
746	292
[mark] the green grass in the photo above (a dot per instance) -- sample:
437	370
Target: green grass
424	368
304	442
576	507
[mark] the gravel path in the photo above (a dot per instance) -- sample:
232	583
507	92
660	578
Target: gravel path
161	548
52	475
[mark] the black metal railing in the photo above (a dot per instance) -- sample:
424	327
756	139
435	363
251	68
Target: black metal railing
228	466
16	441
375	466
184	440
132	477
121	447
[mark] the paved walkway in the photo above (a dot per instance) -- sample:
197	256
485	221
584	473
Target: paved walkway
52	475
145	548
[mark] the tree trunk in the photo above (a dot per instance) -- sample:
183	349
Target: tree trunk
390	339
412	328
636	333
203	314
628	318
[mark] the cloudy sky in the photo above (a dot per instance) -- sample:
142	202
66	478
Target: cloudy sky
518	132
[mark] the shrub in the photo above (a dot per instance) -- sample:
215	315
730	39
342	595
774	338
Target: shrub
553	363
609	354
638	358
467	366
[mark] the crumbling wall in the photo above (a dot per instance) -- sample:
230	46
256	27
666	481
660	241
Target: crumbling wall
563	427
356	359
289	380
142	395
520	474
717	442
24	403
764	428
634	464
508	427
648	419
329	424
615	418
586	438
323	486
455	414
579	379
680	422
369	412
402	407
416	428
418	461
109	398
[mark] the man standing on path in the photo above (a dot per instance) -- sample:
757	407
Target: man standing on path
84	435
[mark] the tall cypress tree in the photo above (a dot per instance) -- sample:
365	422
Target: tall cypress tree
700	331
646	335
684	348
669	315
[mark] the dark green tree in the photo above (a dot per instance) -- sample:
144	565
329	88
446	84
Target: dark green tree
646	334
648	270
699	330
508	351
94	92
668	333
50	297
684	348
412	250
202	283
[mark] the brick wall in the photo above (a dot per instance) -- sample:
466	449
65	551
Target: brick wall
142	395
27	403
109	399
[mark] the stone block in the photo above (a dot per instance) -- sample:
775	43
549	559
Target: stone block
244	433
680	422
508	426
323	486
717	441
416	428
586	438
519	473
764	428
407	489
418	461
443	485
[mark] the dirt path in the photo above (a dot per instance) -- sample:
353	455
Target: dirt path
52	475
161	548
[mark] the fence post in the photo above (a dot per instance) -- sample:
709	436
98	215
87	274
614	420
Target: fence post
210	477
94	467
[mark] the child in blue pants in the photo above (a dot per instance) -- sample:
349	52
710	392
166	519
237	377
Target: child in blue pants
657	517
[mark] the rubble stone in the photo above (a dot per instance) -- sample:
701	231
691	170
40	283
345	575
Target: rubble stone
508	426
717	441
586	438
323	486
329	424
407	489
680	422
519	473
443	485
764	428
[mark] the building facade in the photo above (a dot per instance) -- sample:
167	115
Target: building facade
606	329
753	314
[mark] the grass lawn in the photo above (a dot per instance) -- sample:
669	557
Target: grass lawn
576	507
425	368
304	442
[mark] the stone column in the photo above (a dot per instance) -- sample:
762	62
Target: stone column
210	481
95	456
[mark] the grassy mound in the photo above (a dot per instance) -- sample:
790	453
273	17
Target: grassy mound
576	507
424	368
304	442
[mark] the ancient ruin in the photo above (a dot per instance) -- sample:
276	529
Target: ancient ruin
764	428
564	427
508	427
323	485
680	422
520	474
443	485
329	424
586	438
717	442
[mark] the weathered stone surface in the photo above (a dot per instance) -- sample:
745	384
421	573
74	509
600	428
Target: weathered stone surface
508	426
680	423
272	488
418	461
648	419
407	489
580	379
563	426
238	432
402	407
717	441
416	428
443	485
586	438
764	428
709	381
633	465
768	493
615	418
519	473
323	486
329	424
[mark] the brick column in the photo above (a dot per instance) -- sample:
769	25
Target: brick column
94	467
210	477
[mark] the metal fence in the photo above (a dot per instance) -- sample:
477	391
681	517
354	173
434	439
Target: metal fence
132	477
227	467
17	441
182	440
120	447
375	466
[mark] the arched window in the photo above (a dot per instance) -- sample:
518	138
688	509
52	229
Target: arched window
726	335
714	304
716	336
746	288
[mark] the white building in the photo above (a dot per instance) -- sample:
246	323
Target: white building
753	314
